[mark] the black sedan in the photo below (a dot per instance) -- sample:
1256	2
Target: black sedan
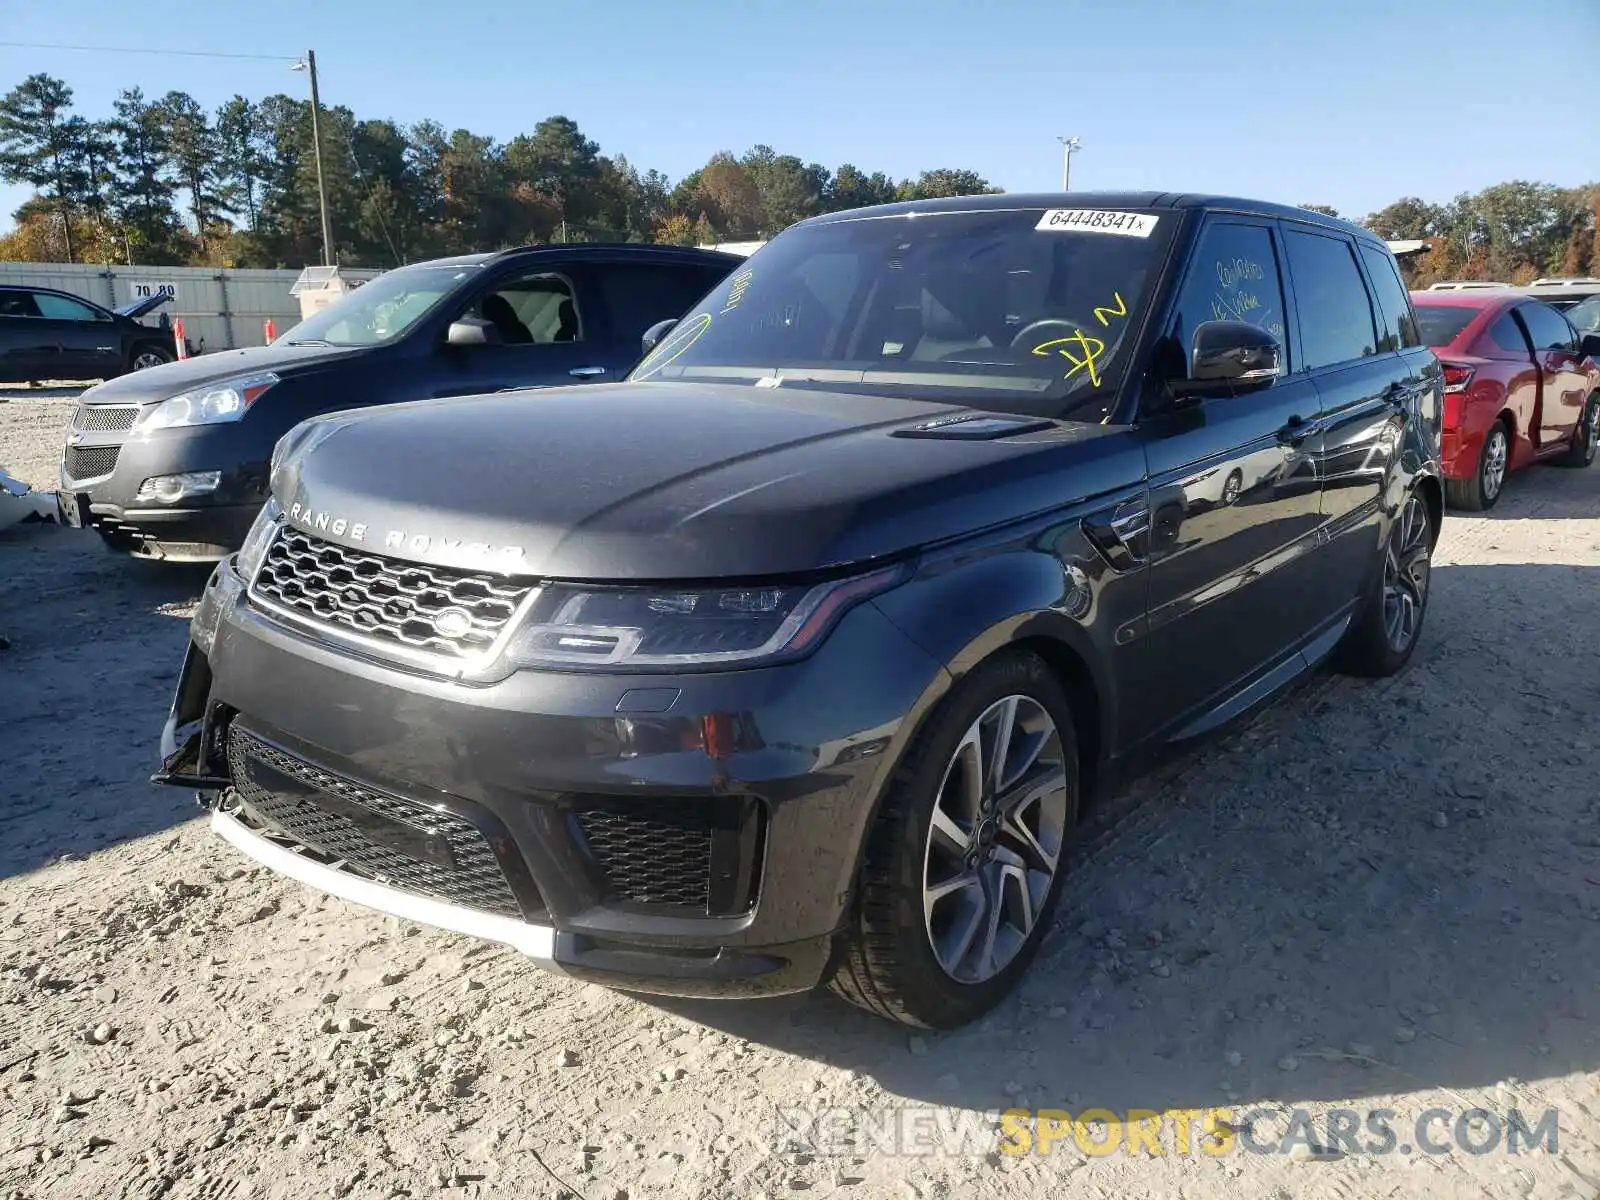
46	334
172	463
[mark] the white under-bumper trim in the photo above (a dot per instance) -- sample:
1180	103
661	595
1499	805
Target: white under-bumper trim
536	941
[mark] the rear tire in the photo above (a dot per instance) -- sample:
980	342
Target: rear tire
1388	624
1587	440
964	863
1479	493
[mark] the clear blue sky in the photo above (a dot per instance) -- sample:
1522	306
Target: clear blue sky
1353	103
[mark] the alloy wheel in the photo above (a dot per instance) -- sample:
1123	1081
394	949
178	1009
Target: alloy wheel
1494	463
1406	567
147	358
995	839
1591	431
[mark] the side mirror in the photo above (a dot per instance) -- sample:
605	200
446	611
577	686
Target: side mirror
473	331
1229	356
1589	346
653	335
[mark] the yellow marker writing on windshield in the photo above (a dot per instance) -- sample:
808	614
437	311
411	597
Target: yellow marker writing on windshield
1121	310
1081	350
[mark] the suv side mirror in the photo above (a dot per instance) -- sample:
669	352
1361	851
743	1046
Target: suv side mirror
473	331
1589	346
1229	356
653	335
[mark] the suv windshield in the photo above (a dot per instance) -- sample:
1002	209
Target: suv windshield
381	310
1030	311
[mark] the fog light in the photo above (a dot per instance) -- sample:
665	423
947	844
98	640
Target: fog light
169	489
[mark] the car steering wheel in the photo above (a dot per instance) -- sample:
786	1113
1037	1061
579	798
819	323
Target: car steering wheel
1028	337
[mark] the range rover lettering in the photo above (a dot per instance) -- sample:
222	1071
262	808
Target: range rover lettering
824	629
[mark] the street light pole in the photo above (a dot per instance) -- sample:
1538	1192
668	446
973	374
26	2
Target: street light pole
309	65
1068	145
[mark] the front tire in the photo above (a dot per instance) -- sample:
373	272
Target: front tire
1587	439
963	866
1479	493
147	356
1389	623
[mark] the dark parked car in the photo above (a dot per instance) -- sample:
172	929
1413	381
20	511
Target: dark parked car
800	654
46	334
172	463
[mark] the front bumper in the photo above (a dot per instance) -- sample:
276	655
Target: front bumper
694	834
101	473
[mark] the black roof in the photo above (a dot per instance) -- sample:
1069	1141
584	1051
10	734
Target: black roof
1111	200
714	258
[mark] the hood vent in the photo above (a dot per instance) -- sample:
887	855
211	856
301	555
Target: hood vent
974	427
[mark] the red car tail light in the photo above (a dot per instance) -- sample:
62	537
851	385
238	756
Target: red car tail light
1456	377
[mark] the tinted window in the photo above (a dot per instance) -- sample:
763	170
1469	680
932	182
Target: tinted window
18	304
1548	328
1335	311
59	308
1441	324
1020	310
639	296
1233	276
1507	335
1399	328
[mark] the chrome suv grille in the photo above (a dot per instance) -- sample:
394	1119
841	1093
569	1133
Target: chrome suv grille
367	832
90	462
105	418
451	613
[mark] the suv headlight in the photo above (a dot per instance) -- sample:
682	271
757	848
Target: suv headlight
209	405
248	561
685	629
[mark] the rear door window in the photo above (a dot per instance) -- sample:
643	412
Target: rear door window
1548	328
1336	324
1399	328
639	295
18	304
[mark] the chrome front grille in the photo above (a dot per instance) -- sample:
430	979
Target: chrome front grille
105	418
90	462
450	613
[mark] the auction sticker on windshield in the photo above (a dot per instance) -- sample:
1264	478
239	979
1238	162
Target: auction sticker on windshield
1098	220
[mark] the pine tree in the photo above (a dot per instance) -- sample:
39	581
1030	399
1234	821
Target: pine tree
41	144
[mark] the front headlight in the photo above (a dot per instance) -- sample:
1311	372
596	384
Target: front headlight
662	629
248	561
209	405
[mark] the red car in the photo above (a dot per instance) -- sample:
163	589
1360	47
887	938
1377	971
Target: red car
1521	386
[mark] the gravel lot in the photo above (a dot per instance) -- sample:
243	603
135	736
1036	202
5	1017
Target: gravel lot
1372	896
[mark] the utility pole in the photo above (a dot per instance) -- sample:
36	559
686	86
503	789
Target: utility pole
309	65
1068	145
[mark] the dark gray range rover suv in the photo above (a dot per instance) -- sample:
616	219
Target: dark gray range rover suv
798	655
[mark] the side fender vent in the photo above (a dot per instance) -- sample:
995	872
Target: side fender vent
976	427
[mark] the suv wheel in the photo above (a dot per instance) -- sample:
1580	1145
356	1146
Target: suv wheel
1585	441
149	356
1388	624
963	866
1481	491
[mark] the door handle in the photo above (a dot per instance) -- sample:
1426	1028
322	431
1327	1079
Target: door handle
1296	430
586	372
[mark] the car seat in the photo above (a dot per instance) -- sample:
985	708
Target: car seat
497	309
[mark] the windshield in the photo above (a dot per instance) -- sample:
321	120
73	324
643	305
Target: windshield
1028	311
1439	324
381	310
